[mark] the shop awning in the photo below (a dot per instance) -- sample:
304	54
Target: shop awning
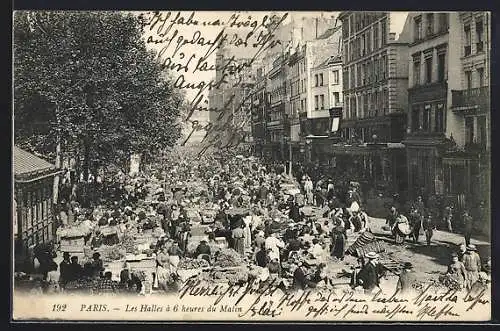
29	167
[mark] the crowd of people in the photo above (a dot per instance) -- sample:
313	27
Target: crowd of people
291	228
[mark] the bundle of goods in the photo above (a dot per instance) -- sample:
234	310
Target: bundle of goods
364	239
188	263
228	257
376	246
80	285
112	253
193	214
74	231
449	282
230	275
128	243
310	211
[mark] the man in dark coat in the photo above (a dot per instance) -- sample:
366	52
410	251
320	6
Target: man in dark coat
369	276
64	267
294	211
300	280
467	219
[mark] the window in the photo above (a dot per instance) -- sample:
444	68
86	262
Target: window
369	41
316	80
336	99
384	32
428	70
418	28
316	106
479	36
429	31
426	118
481	131
416	71
415	116
480	75
467	47
439	118
384	67
336	77
345	78
468	80
469	130
443	22
320	79
322	98
441	67
358	73
375	37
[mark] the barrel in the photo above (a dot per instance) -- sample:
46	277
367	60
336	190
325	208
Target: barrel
363	240
375	246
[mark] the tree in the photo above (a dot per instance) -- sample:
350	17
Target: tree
88	78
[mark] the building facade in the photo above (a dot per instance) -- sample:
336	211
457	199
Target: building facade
375	84
448	139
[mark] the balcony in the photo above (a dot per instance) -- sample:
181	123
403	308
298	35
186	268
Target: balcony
474	100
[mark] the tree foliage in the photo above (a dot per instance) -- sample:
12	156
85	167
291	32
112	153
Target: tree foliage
88	78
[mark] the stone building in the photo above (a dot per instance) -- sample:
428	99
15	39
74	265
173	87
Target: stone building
448	135
375	83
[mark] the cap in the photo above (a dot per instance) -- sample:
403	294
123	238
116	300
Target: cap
408	265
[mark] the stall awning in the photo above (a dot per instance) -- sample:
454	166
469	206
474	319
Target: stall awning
29	167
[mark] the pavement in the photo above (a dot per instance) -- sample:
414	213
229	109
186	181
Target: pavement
429	261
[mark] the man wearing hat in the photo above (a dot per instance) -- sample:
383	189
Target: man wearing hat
472	263
369	276
406	279
64	267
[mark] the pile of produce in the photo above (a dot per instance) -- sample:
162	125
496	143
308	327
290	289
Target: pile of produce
449	282
188	263
128	243
74	231
81	284
112	253
228	257
234	276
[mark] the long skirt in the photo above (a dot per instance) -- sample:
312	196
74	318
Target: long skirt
338	250
239	245
247	237
162	276
472	278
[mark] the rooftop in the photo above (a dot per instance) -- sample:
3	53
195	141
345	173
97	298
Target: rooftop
28	165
